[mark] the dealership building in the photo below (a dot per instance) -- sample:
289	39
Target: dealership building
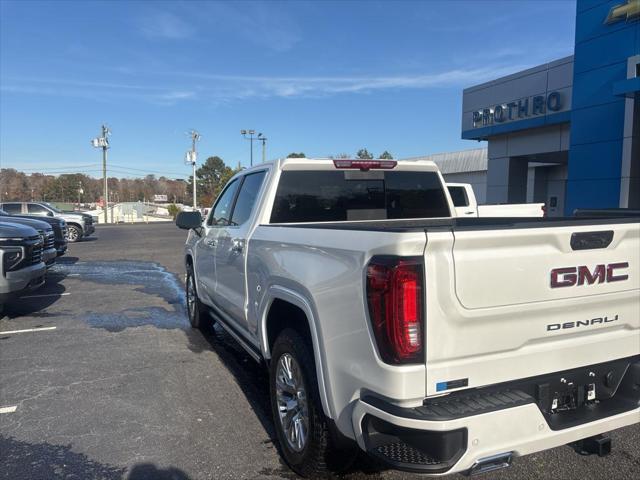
566	133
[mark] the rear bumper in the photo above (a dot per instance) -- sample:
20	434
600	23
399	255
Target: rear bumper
16	283
454	436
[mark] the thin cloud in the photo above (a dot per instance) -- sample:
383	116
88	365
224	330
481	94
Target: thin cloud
165	25
268	25
180	87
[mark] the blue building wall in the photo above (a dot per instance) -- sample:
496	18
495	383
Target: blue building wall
597	115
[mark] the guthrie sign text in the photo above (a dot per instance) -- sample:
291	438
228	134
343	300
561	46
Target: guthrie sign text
523	108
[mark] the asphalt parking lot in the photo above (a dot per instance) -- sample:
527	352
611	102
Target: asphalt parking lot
113	384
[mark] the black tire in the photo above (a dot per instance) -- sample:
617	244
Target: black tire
74	233
320	456
196	311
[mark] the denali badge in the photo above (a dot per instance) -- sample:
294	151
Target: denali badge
570	276
580	323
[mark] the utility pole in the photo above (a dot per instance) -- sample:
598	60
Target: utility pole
80	192
191	158
263	139
103	142
251	133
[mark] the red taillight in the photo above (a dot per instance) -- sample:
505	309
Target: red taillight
366	165
394	295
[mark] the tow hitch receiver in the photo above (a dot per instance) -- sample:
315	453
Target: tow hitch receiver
598	444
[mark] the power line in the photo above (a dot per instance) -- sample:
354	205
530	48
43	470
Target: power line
45	169
145	170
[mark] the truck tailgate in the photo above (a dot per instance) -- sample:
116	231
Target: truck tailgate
510	303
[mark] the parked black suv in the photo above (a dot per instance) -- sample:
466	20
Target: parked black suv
21	260
58	224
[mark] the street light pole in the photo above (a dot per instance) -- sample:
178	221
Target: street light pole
251	133
103	142
263	139
191	158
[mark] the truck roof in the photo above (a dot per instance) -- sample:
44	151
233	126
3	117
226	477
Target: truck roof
327	164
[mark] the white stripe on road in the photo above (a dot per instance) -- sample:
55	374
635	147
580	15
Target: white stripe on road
40	329
47	295
8	409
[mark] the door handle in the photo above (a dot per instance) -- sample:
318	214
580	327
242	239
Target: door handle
237	245
211	243
469	213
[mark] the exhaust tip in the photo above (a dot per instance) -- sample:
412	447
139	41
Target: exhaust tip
492	463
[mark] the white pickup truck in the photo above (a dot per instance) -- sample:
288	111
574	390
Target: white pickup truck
434	343
466	205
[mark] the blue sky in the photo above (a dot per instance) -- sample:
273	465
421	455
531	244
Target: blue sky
319	77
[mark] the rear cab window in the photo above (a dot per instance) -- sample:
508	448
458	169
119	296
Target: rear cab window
351	195
458	196
12	208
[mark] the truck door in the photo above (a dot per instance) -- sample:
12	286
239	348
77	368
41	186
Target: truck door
231	292
206	247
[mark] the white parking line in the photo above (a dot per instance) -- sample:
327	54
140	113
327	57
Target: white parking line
47	295
8	409
40	329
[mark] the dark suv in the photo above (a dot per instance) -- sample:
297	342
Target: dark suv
58	225
79	225
21	260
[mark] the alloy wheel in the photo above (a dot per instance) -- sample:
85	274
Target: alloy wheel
291	396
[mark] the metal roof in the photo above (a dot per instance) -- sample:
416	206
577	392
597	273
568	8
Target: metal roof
474	160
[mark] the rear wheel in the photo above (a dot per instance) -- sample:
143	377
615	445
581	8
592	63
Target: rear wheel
197	312
303	431
74	233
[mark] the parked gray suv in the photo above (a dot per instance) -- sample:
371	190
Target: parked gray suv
79	225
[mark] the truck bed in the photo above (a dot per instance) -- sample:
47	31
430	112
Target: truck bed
454	224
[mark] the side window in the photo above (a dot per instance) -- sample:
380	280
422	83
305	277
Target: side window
459	196
36	209
247	197
12	208
222	209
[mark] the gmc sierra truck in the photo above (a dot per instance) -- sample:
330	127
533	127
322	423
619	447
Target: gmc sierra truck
22	268
79	225
436	344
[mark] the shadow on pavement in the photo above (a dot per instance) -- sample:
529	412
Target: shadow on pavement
36	302
40	461
253	380
148	471
250	376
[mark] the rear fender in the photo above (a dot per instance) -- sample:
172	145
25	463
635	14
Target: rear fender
291	296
